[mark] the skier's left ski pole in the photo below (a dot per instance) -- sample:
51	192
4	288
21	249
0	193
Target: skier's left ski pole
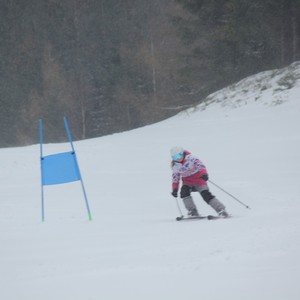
229	194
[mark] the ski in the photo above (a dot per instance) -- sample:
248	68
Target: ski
214	217
208	217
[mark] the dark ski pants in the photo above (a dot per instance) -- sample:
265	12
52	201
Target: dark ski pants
207	196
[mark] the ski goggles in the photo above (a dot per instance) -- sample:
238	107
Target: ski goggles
177	156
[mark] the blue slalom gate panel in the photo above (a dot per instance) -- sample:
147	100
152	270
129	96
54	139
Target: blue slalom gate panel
60	168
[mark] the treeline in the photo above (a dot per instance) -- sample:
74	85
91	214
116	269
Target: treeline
114	65
234	38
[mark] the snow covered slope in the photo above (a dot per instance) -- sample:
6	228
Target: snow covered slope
248	135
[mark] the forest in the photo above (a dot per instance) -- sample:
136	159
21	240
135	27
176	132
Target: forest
115	65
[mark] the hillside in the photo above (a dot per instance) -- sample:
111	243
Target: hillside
248	137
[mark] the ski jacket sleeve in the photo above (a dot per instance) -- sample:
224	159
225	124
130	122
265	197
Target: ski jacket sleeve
175	179
176	176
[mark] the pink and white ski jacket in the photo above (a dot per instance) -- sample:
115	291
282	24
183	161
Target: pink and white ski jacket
189	170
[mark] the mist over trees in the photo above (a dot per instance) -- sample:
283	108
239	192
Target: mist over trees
114	65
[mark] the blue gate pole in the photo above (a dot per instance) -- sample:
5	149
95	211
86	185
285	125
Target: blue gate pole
41	158
82	184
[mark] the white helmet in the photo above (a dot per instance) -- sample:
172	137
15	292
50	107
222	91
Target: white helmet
175	151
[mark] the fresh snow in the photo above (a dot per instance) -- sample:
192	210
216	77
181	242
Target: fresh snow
248	135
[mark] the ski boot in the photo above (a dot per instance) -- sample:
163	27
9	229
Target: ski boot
193	213
218	207
223	213
190	206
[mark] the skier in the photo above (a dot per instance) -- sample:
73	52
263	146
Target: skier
194	178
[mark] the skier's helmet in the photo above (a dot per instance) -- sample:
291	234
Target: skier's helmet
176	153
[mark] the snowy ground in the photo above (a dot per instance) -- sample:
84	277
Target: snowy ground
249	139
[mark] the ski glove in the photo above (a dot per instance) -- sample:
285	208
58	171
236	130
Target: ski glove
175	193
204	177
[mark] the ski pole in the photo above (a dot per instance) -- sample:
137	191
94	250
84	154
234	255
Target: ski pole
229	194
179	207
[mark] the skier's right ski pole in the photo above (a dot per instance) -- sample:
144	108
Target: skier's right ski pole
181	214
229	194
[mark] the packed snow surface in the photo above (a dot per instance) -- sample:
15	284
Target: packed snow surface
248	136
